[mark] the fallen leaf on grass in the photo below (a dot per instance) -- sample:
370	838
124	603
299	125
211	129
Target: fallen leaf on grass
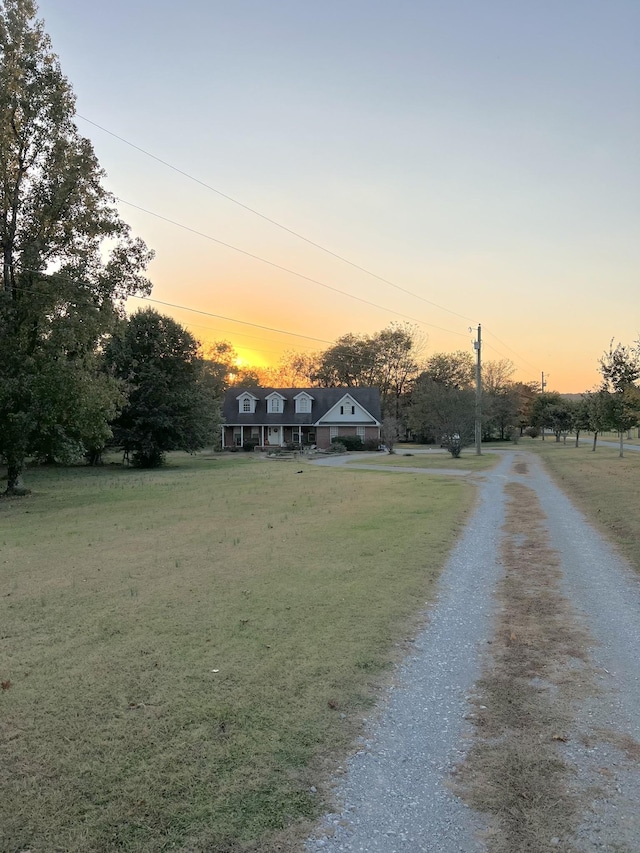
6	684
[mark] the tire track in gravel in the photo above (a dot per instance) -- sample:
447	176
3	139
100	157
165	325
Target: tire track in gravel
396	795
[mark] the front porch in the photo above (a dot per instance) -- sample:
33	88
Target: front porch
268	436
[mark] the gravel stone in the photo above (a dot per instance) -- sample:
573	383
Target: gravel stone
393	796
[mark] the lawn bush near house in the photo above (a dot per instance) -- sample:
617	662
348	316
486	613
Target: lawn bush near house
350	442
187	652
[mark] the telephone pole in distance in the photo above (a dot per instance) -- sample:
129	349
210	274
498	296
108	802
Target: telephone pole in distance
477	345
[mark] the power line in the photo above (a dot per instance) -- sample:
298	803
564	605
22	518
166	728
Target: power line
286	269
232	319
295	234
270	220
205	313
523	360
182	307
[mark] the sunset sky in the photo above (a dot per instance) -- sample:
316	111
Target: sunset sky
481	156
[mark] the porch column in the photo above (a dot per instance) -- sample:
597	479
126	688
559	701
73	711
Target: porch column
241	435
222	428
262	428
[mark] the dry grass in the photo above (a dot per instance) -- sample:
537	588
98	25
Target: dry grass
435	460
604	486
189	649
514	771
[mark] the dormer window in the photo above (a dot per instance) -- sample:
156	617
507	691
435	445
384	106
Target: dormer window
246	403
275	403
303	403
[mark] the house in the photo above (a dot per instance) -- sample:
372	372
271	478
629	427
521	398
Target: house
275	417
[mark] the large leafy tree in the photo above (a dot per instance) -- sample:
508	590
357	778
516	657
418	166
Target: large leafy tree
68	260
442	412
169	401
451	369
387	359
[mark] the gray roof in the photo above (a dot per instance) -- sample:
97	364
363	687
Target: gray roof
323	400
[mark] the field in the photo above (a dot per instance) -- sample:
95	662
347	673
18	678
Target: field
432	460
185	654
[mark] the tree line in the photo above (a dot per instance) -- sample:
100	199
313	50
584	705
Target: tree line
78	376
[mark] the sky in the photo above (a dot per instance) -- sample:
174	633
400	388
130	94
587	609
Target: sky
478	158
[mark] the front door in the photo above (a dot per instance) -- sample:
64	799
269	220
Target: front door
274	435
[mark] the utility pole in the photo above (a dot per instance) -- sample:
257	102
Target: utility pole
543	385
477	345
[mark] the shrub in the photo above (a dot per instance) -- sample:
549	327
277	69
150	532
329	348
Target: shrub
350	442
371	444
336	447
532	432
250	445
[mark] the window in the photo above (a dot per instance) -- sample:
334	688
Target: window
237	436
246	403
344	410
255	432
360	432
304	402
295	437
274	404
333	432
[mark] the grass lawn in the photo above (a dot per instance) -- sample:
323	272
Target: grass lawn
602	484
467	461
185	654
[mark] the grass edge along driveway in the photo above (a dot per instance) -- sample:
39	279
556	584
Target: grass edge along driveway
188	652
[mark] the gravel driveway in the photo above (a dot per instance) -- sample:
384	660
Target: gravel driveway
394	795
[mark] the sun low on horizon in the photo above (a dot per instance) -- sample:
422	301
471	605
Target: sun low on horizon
305	172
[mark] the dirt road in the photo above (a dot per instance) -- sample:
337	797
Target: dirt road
514	724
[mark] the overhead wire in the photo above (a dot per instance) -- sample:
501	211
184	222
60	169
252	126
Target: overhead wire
286	269
293	232
183	308
523	360
269	219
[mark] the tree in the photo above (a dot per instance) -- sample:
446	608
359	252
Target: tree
560	418
68	260
452	369
387	360
445	412
500	402
294	370
546	411
168	407
389	432
599	412
580	417
620	369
